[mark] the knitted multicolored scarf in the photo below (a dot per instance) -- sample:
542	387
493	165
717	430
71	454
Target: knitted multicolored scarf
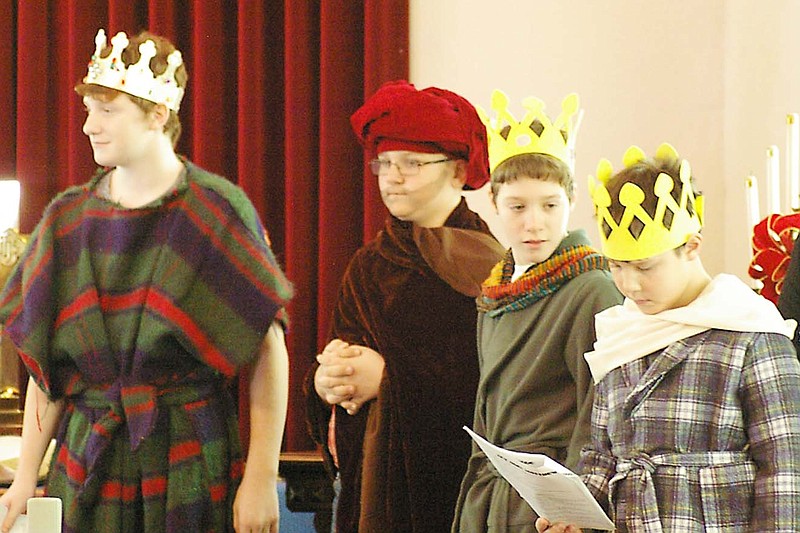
500	295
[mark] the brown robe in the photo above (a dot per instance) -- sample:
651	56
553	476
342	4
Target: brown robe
401	458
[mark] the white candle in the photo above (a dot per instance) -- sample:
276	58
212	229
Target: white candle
793	161
9	204
753	213
753	218
44	515
773	180
573	135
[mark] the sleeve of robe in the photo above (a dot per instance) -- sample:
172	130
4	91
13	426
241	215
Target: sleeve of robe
598	293
770	396
789	300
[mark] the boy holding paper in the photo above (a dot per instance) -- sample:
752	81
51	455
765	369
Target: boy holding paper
695	424
536	315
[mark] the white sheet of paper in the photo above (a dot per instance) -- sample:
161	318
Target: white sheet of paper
551	489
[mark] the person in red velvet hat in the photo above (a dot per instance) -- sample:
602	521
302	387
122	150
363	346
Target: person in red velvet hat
392	389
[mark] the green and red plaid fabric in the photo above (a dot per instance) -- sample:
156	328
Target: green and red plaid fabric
139	318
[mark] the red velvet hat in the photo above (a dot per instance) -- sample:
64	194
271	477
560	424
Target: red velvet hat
399	117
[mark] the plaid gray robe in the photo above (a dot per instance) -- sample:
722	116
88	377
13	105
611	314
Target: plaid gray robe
702	436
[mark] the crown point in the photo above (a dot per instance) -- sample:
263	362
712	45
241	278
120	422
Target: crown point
499	100
119	42
599	193
602	198
175	59
147	51
570	104
633	155
666	151
604	171
100	41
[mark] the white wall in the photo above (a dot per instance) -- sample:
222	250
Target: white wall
713	77
762	85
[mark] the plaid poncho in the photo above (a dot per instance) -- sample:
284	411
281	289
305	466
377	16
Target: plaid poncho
139	318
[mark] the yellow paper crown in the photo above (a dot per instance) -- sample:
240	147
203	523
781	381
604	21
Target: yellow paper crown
136	79
672	223
535	133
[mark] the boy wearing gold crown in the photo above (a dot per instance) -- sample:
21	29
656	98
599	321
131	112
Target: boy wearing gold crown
536	315
401	367
695	425
142	294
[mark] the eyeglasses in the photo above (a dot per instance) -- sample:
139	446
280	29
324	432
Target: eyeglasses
406	167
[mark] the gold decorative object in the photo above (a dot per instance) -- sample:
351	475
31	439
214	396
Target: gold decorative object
670	225
9	392
535	133
12	244
136	79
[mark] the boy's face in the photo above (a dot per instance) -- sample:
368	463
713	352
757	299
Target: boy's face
118	130
655	284
534	214
423	195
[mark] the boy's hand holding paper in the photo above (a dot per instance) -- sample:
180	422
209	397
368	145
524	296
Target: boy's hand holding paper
551	489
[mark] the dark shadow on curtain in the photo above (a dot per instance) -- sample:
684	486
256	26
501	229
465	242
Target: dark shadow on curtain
271	89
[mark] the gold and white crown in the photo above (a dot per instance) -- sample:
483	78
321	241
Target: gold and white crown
535	133
136	79
670	226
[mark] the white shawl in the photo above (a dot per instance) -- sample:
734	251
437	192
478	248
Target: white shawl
625	334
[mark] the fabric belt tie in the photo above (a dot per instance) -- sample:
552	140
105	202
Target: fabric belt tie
500	491
641	467
136	406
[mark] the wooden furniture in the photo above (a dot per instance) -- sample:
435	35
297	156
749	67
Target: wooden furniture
308	486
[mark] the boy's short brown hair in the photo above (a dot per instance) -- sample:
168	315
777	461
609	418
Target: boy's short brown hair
158	65
535	166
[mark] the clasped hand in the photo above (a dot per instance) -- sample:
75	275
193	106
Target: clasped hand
349	375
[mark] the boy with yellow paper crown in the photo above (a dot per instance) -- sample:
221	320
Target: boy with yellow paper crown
695	424
536	314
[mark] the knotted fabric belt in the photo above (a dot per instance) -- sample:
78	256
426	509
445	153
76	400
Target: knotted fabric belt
641	467
134	406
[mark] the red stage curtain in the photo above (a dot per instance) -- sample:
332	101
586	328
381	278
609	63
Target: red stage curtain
271	88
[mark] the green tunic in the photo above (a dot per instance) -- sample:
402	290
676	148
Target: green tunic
139	319
535	392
